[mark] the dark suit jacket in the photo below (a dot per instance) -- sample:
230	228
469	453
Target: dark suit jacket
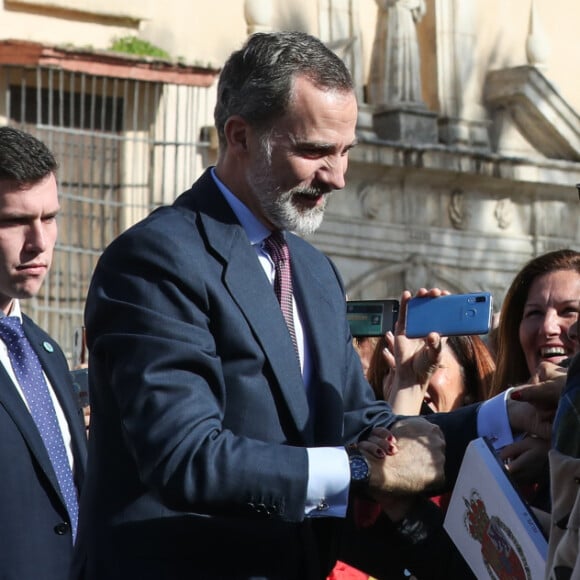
199	415
36	538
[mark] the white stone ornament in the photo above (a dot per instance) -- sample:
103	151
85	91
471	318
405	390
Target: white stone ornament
258	14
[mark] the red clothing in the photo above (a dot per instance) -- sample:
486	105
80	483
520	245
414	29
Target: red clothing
442	501
343	571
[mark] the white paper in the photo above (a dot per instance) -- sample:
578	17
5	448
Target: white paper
491	524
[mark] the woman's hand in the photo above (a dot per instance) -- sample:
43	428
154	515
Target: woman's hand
526	459
412	361
380	443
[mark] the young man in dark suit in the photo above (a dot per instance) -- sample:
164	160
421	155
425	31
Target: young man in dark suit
225	391
42	437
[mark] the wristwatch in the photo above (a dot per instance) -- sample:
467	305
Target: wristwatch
360	469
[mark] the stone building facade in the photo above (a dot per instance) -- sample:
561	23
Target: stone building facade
469	133
460	186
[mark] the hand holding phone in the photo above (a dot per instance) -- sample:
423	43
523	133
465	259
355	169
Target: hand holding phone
449	315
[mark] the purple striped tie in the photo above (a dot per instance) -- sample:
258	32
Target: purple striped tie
31	380
277	247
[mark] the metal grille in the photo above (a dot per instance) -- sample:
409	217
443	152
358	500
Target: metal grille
123	147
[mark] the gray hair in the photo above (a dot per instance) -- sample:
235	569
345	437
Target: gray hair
256	81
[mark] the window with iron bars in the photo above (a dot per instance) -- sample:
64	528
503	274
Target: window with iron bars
123	146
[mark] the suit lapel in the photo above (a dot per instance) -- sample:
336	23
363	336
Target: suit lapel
321	321
250	289
46	351
248	286
310	294
11	400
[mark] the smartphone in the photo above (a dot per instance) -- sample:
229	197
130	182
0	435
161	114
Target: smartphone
371	317
451	315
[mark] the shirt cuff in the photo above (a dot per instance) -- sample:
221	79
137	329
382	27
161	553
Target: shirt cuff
493	422
328	482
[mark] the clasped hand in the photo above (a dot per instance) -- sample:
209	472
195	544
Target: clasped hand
531	407
406	459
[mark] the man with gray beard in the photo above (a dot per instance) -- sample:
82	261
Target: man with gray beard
231	420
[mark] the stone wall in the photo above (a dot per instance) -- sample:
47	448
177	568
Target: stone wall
459	219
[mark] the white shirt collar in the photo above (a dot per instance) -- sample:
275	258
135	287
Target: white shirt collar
14	310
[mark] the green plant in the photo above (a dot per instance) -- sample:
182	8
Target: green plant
137	46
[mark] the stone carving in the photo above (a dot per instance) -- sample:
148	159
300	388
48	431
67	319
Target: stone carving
370	199
409	272
457	211
395	76
417	273
258	14
537	108
504	213
537	49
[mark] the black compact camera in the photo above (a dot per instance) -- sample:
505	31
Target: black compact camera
371	317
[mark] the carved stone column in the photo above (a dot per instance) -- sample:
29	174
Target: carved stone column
340	29
462	117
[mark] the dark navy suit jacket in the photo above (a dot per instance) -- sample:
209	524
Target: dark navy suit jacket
199	415
36	536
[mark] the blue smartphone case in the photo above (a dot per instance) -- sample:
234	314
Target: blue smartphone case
451	315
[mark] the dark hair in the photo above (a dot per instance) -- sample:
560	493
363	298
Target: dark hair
256	81
512	368
477	366
378	368
24	159
472	355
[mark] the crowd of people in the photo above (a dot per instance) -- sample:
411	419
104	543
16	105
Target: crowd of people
536	333
236	431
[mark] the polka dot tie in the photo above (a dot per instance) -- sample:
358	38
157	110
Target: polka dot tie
277	247
31	380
